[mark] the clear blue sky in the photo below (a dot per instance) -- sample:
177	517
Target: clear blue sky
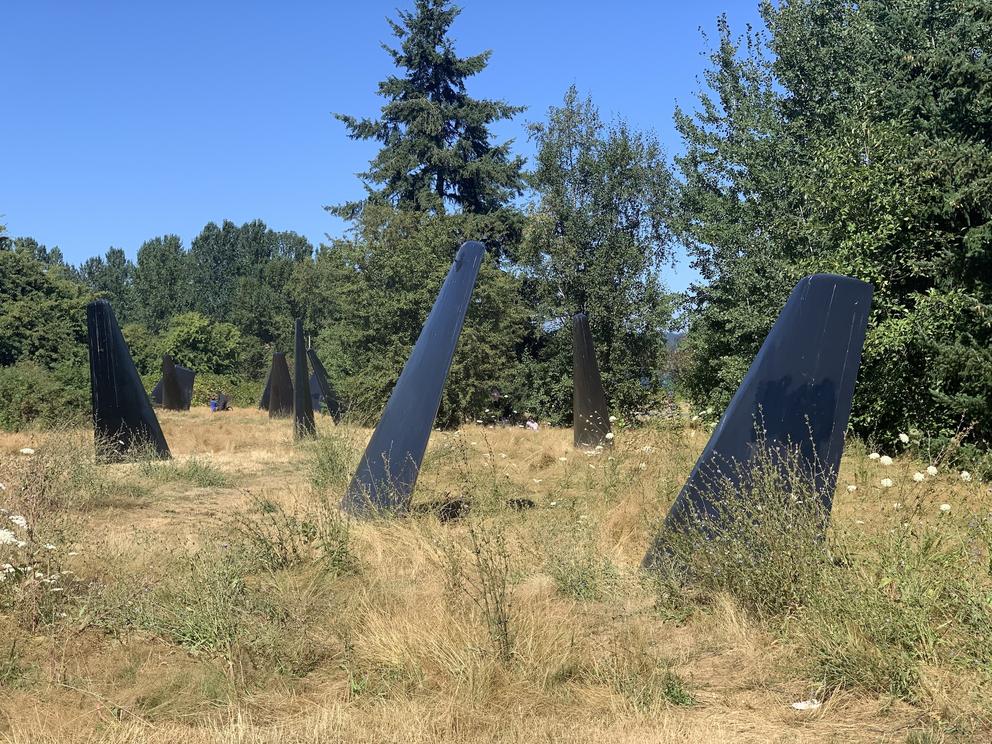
122	121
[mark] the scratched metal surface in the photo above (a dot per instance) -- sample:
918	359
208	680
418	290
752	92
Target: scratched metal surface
388	470
303	423
797	393
122	414
590	411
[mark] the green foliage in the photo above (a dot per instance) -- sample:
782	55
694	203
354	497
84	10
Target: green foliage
594	243
30	393
380	287
194	341
436	140
112	277
851	139
161	281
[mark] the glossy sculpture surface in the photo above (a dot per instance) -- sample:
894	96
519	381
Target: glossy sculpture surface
388	470
175	390
590	411
304	426
123	419
792	407
280	388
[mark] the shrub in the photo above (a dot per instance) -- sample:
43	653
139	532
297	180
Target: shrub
31	394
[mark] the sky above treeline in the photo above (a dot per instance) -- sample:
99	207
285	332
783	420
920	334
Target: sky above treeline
123	121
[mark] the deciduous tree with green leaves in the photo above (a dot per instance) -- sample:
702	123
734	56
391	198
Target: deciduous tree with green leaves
595	242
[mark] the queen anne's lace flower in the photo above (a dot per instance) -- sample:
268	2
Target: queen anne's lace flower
965	476
886	483
885	460
7	537
19	521
904	438
931	470
852	488
919	477
874	456
945	508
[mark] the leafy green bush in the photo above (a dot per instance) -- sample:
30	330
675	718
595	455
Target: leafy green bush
31	394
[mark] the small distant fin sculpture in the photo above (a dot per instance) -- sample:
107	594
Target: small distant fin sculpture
388	470
263	402
797	394
590	411
321	389
304	426
280	388
175	390
123	418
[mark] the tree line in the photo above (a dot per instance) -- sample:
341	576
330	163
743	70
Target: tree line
844	137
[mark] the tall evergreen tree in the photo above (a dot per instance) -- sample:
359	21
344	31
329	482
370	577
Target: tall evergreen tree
437	152
112	276
161	281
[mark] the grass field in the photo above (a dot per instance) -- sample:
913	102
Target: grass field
220	597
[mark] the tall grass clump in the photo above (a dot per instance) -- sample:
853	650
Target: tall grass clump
485	580
331	459
275	538
762	544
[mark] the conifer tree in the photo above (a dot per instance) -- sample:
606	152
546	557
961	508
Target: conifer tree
437	155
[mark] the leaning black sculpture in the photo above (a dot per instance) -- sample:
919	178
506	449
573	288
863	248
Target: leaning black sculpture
388	470
304	426
590	411
175	390
321	390
123	419
795	399
279	388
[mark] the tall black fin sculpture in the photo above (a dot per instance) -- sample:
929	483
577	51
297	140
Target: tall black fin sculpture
322	387
280	388
304	426
796	395
590	411
123	418
388	470
175	390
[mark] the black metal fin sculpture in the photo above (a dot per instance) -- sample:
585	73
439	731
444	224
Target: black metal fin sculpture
123	419
794	404
263	402
590	411
321	388
175	390
304	426
388	470
280	388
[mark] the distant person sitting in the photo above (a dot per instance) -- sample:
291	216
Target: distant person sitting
213	404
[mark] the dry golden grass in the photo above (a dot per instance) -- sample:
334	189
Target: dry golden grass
394	649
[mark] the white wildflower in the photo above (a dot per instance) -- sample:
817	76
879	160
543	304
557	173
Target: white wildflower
562	459
807	705
2	488
886	483
609	435
19	521
965	476
852	488
945	508
643	466
49	546
919	477
904	438
931	470
874	456
647	448
7	568
27	451
885	460
613	419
